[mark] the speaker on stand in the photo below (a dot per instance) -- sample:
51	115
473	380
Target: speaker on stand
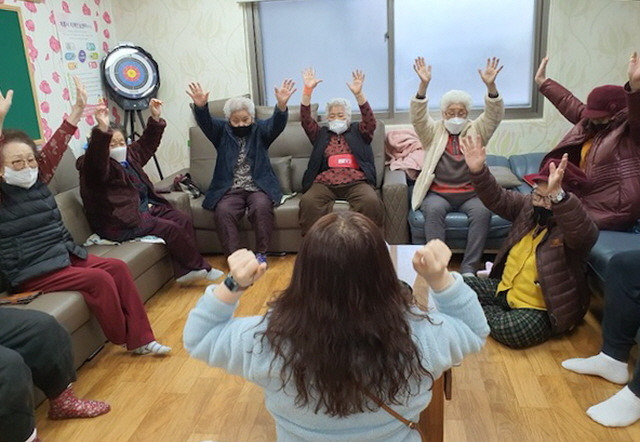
131	77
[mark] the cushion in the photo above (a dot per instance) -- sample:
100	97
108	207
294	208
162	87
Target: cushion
264	112
216	107
282	168
504	176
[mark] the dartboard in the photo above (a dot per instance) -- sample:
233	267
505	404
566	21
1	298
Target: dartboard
131	76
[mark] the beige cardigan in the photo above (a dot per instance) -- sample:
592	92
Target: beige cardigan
434	136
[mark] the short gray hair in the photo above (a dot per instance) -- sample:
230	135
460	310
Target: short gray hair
455	96
339	102
237	104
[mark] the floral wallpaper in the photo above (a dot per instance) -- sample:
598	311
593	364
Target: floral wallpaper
44	53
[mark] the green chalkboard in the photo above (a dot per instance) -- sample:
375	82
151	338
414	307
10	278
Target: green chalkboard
15	73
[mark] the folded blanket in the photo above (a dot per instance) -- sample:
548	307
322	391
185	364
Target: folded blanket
404	152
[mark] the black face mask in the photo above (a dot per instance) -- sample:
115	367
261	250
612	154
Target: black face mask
541	215
593	127
241	131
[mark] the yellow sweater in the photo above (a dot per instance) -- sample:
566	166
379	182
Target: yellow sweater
520	274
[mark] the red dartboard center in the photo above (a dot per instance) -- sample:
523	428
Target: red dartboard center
131	73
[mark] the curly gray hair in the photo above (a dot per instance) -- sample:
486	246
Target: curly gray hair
237	104
339	102
455	96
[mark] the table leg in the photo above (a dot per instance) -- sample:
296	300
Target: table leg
432	418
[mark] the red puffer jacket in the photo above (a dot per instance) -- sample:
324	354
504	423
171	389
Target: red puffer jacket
561	256
612	197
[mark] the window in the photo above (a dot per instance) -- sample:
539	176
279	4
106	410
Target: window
383	37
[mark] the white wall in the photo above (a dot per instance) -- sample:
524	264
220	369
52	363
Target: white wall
589	44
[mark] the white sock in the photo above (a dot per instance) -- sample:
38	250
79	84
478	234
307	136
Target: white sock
600	365
214	274
193	275
33	436
620	410
153	347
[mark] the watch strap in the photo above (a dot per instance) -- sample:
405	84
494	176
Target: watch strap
558	197
232	284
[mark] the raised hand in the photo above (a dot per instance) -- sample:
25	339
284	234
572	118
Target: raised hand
284	92
5	104
101	115
423	70
197	94
356	83
81	93
541	74
155	106
81	101
245	268
634	71
491	71
431	263
556	174
474	153
309	78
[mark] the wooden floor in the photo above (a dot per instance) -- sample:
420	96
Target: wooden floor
498	394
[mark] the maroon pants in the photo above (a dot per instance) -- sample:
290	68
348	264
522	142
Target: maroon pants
176	229
110	293
231	208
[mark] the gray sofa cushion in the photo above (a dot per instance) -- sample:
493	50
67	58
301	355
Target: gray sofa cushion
282	168
504	176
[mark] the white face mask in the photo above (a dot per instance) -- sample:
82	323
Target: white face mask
455	125
24	178
338	126
119	154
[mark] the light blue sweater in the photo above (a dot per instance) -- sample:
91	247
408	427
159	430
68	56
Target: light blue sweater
234	344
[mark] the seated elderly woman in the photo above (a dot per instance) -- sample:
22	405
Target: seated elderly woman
344	345
604	142
37	252
341	165
120	201
243	179
444	185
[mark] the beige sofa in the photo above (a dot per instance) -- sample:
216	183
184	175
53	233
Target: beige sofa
289	155
149	264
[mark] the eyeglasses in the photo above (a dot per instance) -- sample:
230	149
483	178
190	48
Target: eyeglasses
537	198
454	114
22	163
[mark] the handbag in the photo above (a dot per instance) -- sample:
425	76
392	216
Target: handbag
185	184
392	412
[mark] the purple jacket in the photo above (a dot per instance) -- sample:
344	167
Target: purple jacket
612	196
110	199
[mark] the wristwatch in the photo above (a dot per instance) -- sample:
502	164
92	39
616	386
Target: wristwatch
555	199
232	284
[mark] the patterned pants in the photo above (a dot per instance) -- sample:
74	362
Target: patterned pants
513	327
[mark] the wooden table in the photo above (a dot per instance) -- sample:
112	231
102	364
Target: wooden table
432	418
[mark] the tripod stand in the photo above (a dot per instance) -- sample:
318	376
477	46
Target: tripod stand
129	120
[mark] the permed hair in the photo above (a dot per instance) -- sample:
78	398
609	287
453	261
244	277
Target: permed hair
13	135
455	96
237	104
339	102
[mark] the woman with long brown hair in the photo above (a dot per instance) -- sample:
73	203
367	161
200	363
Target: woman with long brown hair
344	337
